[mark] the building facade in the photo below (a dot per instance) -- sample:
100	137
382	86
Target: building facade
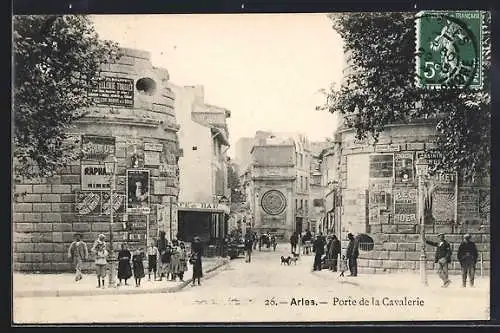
242	156
204	194
380	195
133	127
278	183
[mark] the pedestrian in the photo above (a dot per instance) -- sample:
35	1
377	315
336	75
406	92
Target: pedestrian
319	250
442	258
195	260
138	265
161	245
174	260
467	256
182	260
294	239
255	238
334	252
343	265
78	253
248	249
124	268
274	242
352	254
153	256
101	254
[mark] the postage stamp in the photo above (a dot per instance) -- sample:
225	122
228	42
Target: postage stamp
449	49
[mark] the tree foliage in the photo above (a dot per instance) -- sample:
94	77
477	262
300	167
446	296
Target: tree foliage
380	90
56	58
233	181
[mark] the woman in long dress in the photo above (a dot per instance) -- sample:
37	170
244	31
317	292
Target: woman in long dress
175	260
137	260
183	267
162	249
124	269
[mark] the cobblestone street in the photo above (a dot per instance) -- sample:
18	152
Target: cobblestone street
264	290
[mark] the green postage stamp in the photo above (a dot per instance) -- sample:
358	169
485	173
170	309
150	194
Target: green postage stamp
449	49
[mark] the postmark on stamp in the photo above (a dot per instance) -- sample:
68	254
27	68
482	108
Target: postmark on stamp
449	49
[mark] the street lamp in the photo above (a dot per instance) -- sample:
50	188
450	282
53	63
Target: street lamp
111	168
421	171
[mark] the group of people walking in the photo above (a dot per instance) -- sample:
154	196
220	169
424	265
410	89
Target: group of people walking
327	251
165	259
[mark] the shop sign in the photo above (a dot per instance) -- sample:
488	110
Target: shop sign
97	147
94	177
204	206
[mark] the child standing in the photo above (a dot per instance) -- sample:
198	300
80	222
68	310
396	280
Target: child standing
153	255
343	265
182	260
138	266
101	254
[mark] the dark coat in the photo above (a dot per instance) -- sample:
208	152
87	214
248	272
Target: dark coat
352	249
335	248
319	246
294	239
467	252
197	250
443	250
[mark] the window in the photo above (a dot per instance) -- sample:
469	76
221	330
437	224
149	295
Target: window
296	204
306	204
301	183
301	204
307	183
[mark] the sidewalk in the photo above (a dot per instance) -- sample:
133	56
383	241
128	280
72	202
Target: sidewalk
54	285
408	282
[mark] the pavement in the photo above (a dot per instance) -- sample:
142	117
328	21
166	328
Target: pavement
266	291
64	285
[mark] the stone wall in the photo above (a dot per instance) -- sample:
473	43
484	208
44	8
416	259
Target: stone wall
385	206
45	217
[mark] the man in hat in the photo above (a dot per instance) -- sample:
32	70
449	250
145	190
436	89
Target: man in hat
78	252
442	258
352	254
467	256
319	250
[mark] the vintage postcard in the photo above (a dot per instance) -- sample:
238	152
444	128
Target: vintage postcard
251	168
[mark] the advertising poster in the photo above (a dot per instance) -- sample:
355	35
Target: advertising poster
88	203
97	148
405	206
118	203
95	178
138	191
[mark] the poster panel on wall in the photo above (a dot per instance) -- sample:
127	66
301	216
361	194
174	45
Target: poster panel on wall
95	178
118	203
96	147
88	203
403	163
405	205
138	191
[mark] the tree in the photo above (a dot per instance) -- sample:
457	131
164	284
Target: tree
382	90
234	183
56	59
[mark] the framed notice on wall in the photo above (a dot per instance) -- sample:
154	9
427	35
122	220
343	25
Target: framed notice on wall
117	91
382	166
138	191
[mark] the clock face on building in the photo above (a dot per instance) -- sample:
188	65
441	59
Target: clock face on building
273	202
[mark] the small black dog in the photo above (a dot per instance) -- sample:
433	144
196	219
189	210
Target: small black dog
285	260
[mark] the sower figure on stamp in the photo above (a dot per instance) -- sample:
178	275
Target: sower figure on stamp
352	254
78	253
442	258
467	256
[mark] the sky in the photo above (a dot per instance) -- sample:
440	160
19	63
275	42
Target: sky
267	69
